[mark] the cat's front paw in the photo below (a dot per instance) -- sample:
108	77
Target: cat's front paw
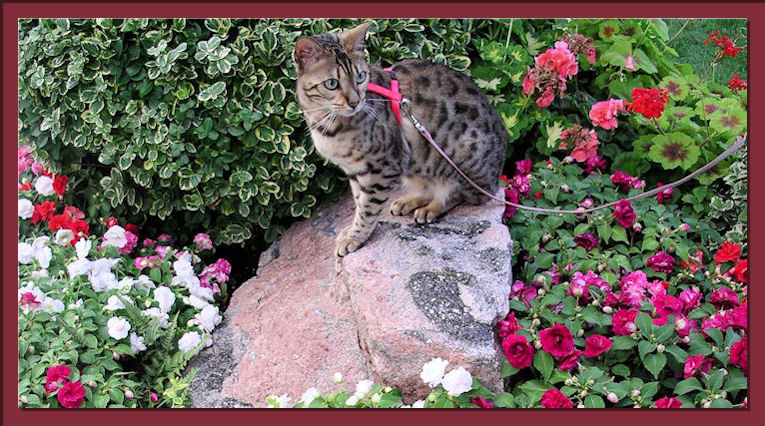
347	244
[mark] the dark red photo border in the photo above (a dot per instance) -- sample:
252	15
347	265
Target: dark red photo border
12	415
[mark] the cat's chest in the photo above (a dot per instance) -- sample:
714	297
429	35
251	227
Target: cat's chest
339	149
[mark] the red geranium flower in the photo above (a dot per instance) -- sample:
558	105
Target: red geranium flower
724	46
557	340
59	184
71	395
43	211
518	350
648	102
668	402
596	345
554	398
736	83
728	252
739	271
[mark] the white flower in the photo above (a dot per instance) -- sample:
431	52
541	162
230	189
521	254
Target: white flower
44	186
338	377
183	268
156	313
82	247
165	297
196	289
353	400
63	237
103	265
118	327
457	382
42	273
44	256
26	209
143	282
418	404
208	318
78	267
278	401
26	253
433	371
113	303
136	343
51	305
309	395
363	387
115	236
196	302
125	284
104	281
189	341
208	340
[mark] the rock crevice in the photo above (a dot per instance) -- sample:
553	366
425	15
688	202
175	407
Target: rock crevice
410	294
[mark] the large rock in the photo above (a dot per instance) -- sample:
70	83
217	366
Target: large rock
410	294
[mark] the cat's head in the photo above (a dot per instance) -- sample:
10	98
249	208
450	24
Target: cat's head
332	71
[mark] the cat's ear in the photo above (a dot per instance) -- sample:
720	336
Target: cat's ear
307	52
353	39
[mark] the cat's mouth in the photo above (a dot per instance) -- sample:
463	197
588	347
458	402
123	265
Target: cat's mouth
350	111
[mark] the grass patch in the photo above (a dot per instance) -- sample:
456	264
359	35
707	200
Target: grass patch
689	44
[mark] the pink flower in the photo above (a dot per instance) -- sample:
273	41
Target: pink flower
528	83
148	242
661	262
738	353
738	317
57	374
568	362
132	241
665	194
596	345
580	291
161	250
584	142
508	326
603	113
623	322
511	195
683	325
154	397
546	99
523	167
695	364
587	241
29	301
165	238
480	402
666	305
624	213
625	182
691	299
553	398
71	395
557	340
518	351
720	321
724	298
595	164
668	402
629	64
203	241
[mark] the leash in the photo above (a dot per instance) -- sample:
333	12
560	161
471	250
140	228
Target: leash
406	106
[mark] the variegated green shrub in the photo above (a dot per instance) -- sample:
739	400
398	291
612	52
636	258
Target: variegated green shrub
192	122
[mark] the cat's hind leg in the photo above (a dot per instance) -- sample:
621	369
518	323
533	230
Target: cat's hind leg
418	195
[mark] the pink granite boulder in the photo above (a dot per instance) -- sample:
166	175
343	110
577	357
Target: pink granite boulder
410	294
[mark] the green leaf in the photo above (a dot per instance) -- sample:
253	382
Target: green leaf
100	400
674	150
687	385
664	332
715	379
621	370
594	401
642	62
735	383
507	369
721	403
645	347
619	233
716	335
623	342
677	352
655	363
543	362
644	324
504	400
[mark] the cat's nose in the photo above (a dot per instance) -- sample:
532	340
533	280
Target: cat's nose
353	104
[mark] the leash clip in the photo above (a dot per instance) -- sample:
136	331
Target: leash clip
406	106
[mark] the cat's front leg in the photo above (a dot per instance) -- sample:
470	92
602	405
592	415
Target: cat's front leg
370	195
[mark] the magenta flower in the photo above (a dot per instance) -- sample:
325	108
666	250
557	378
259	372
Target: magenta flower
508	326
667	305
568	362
203	241
623	322
518	351
665	194
739	353
587	241
695	364
596	345
553	398
691	299
668	402
523	167
624	213
724	298
557	340
661	262
595	164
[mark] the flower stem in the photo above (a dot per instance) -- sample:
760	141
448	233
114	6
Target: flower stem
679	31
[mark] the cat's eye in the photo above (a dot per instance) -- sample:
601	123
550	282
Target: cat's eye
331	83
360	77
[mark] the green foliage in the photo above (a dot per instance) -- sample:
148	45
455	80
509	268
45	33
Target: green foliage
192	122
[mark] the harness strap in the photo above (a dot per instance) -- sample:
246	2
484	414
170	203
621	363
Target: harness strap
391	94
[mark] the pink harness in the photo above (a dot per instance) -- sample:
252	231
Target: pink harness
391	94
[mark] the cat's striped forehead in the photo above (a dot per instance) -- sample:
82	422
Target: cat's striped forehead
332	43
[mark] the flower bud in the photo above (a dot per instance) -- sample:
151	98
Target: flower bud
723	394
535	322
129	394
153	397
637	227
671	249
31	349
580	333
707	404
725	372
338	377
612	397
387	389
660	348
686	339
601	267
538	344
564	188
546	237
607	309
577	292
24	399
580	405
568	382
541	292
115	356
582	394
92	383
685	227
359	395
636	393
590	382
